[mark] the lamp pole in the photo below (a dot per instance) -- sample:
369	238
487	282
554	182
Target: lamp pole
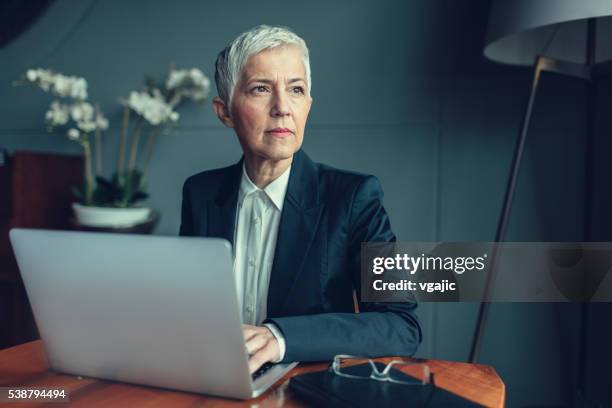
588	71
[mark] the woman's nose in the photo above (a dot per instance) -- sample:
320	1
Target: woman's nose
280	105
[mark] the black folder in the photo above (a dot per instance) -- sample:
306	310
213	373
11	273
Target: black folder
327	389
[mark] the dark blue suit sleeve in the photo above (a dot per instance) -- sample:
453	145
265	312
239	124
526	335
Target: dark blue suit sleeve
186	228
380	329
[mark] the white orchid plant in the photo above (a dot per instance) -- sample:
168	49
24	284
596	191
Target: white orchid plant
155	110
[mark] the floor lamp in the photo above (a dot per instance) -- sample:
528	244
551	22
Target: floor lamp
565	37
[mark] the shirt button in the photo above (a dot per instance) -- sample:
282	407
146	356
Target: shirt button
256	220
251	262
249	309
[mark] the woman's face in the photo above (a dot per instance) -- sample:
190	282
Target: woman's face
270	104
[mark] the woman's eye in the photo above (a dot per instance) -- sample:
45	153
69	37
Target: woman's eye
259	88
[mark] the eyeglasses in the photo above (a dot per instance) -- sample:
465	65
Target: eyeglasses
343	365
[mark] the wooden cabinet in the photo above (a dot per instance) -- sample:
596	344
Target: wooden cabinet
34	193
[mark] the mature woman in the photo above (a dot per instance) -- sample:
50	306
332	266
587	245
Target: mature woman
296	226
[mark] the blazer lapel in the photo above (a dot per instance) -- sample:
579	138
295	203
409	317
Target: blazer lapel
222	210
298	225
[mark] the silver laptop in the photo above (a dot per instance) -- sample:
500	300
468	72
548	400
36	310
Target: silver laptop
154	310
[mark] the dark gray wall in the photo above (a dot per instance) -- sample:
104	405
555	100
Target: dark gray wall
400	90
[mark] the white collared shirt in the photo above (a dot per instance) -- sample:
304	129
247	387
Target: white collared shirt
258	213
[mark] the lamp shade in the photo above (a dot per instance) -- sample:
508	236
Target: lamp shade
521	30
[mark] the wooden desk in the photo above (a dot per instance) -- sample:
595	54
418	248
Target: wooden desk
26	366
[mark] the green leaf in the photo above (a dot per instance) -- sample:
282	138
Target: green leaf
127	188
78	193
138	196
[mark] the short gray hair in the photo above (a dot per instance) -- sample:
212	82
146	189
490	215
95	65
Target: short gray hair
233	58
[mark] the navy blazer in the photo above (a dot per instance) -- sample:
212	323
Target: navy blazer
327	214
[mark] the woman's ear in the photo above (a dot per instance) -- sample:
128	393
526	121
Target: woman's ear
222	112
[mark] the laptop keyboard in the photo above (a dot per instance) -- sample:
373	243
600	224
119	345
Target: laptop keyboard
262	370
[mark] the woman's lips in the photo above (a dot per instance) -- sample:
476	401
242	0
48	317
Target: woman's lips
280	132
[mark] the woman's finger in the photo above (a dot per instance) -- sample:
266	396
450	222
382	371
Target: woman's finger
255	343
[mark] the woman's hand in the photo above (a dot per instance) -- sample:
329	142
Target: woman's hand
261	345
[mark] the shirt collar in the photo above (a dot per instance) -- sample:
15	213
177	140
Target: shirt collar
276	190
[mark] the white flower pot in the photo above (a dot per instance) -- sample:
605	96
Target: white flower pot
109	216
